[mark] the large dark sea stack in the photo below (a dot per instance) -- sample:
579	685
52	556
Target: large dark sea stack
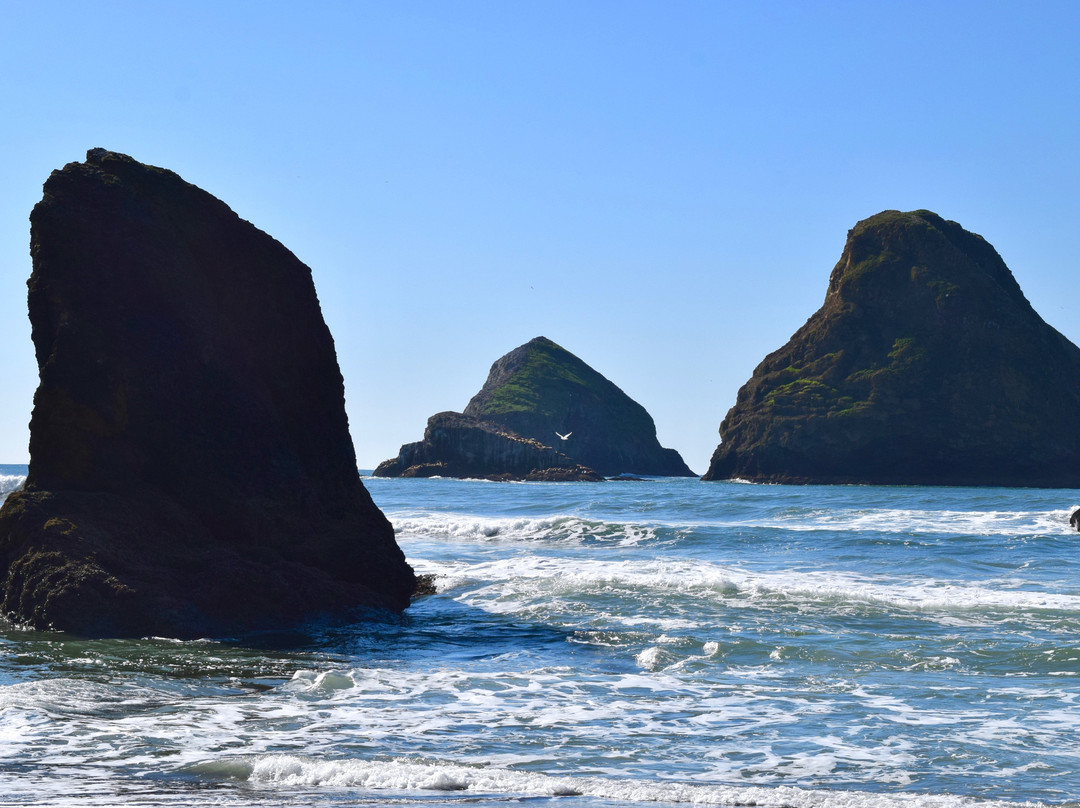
191	470
925	365
534	394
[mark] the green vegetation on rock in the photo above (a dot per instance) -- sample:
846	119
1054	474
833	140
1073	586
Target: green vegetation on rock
925	364
509	427
541	388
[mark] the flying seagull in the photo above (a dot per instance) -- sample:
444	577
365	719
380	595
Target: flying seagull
561	435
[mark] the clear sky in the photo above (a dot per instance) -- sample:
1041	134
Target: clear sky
660	187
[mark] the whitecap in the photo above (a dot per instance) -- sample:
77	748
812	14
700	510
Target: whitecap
650	659
916	522
560	529
11	482
544	585
407	776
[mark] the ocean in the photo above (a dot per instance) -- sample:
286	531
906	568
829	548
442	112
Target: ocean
633	643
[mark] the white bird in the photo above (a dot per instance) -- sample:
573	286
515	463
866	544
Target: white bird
561	435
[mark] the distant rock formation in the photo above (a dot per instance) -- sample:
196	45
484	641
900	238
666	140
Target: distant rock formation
514	426
191	469
456	445
925	365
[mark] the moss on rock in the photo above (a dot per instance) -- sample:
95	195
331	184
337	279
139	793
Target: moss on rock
924	365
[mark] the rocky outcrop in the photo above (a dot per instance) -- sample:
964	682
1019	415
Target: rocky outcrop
456	445
191	468
541	391
541	411
925	365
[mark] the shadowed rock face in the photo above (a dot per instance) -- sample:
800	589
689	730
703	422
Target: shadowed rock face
509	428
925	365
191	468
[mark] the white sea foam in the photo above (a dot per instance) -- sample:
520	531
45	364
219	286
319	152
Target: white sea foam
540	721
921	521
403	776
562	529
11	482
567	655
652	658
526	583
566	529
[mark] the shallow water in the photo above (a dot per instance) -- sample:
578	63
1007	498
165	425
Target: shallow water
609	644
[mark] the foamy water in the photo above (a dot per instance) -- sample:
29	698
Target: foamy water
9	483
595	645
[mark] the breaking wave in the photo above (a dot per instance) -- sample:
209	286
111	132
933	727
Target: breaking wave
503	583
11	482
550	529
405	776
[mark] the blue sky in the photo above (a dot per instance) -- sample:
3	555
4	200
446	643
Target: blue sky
660	187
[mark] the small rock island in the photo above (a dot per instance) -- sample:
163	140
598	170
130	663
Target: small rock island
542	414
191	469
926	365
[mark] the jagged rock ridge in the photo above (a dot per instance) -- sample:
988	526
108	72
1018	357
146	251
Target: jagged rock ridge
924	365
191	468
532	393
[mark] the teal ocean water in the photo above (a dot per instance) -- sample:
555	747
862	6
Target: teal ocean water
630	643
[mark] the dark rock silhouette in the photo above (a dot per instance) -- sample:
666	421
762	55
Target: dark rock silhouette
534	396
191	470
925	365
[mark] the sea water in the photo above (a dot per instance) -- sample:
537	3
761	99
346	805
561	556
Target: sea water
622	643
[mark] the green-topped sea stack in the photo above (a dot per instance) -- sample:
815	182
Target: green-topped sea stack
542	414
191	470
926	365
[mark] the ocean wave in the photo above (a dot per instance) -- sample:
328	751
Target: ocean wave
894	521
66	700
295	771
11	482
508	585
552	529
916	521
